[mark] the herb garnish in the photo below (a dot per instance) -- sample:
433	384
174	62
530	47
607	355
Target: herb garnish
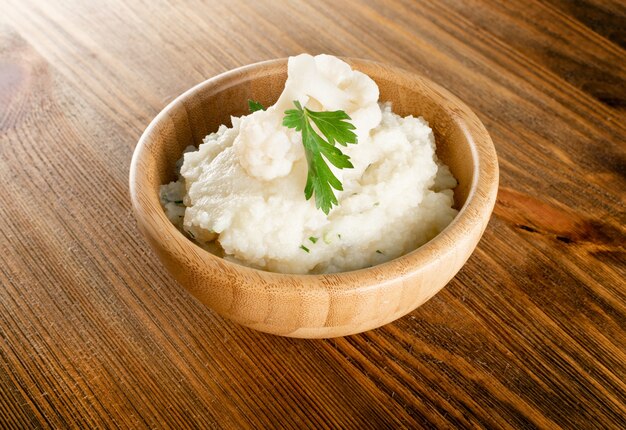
313	239
334	126
255	106
304	248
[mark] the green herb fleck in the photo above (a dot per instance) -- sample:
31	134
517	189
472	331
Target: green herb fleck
378	251
304	248
336	128
338	235
255	106
313	239
377	204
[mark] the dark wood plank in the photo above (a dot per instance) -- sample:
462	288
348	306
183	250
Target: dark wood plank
530	334
605	17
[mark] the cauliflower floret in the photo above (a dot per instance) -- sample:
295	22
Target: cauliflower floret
267	150
326	83
264	148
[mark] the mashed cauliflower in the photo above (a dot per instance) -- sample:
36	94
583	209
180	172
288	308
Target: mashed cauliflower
241	192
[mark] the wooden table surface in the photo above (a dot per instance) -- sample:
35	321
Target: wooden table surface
95	334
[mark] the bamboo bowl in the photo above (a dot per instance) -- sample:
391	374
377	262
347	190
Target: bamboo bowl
315	306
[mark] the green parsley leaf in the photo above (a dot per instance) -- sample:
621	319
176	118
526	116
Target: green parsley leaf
304	248
255	106
378	251
334	126
313	239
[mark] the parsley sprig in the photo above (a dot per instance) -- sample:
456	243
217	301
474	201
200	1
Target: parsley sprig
255	106
336	128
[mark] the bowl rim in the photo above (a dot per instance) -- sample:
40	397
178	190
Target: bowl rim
481	196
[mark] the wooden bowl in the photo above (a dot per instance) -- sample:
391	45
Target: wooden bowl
315	306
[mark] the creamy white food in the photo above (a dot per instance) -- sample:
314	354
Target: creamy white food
241	192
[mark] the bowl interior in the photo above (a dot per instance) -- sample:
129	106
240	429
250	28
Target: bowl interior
204	108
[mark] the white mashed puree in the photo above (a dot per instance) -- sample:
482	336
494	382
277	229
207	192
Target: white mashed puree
243	188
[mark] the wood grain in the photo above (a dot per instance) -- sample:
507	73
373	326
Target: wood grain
95	334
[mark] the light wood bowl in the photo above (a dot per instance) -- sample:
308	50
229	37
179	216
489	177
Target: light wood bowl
315	306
